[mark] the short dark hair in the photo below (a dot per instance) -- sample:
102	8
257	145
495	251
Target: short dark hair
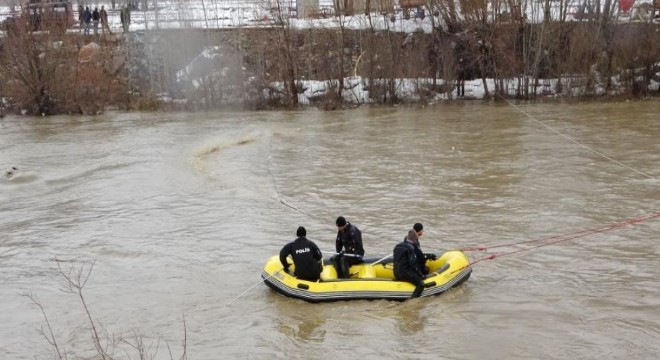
301	231
418	227
341	221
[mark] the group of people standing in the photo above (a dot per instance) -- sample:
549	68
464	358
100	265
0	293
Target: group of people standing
409	260
91	19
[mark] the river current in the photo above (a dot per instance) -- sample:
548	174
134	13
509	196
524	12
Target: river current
179	212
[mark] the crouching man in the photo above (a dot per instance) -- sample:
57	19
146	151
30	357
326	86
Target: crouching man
406	263
306	257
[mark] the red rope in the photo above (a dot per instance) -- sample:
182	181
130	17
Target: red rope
556	239
586	232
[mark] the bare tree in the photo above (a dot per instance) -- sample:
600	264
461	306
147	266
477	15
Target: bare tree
47	333
39	67
285	52
75	281
105	345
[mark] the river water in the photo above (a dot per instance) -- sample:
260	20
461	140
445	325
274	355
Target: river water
179	212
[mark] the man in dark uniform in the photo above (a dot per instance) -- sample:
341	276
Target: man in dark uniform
406	263
306	257
421	257
349	238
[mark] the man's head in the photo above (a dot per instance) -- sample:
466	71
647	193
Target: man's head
419	229
301	232
341	223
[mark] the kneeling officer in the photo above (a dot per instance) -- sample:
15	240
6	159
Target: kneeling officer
306	257
406	263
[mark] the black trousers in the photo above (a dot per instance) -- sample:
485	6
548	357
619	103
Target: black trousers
414	279
343	264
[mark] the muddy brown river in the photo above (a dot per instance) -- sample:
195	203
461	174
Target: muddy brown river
179	212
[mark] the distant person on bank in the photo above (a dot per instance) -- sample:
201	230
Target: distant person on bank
96	16
104	21
125	17
81	10
87	19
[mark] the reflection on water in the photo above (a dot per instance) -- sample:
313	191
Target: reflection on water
409	319
301	322
180	212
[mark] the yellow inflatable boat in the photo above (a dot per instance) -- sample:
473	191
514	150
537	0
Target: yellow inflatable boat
369	280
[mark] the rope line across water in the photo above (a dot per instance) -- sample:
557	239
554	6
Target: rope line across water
575	141
556	239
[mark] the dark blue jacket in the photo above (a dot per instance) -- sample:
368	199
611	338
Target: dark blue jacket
306	257
405	260
350	239
87	16
419	254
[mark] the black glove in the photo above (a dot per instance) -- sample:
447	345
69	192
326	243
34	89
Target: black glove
430	256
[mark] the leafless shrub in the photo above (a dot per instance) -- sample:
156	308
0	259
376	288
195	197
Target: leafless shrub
35	64
47	74
47	333
283	53
635	55
106	345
